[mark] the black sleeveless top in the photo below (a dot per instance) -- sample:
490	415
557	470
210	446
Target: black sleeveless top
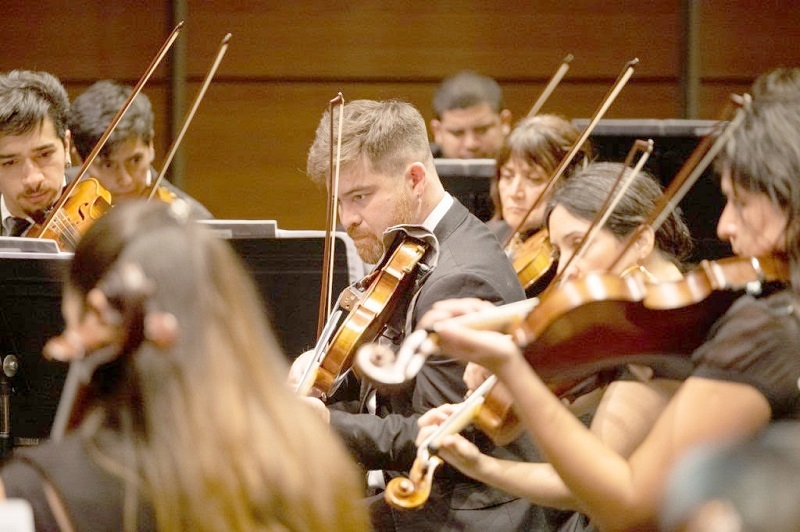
94	498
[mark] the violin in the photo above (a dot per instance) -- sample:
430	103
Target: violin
586	326
535	261
412	492
74	213
369	305
162	194
87	202
533	258
654	324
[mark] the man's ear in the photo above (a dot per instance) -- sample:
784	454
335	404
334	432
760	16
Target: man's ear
415	175
505	121
436	129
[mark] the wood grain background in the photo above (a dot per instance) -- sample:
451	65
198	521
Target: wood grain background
246	150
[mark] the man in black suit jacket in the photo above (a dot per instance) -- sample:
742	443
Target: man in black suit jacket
388	178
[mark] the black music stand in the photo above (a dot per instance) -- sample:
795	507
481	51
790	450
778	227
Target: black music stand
287	268
468	180
30	313
286	265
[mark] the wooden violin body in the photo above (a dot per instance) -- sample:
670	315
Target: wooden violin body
369	305
86	204
162	194
534	260
603	321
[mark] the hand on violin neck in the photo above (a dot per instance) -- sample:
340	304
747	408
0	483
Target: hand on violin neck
298	368
450	308
493	350
65	347
430	421
453	448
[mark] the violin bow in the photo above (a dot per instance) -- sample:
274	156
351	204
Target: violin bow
326	288
65	194
621	186
690	172
551	86
612	94
223	47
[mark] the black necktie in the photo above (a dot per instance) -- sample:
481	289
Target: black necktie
13	226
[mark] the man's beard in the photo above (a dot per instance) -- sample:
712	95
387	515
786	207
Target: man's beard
38	213
370	245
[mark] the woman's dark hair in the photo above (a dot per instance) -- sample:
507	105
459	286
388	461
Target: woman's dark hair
164	414
542	141
763	155
585	192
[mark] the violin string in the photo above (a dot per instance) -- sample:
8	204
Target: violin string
67	231
66	193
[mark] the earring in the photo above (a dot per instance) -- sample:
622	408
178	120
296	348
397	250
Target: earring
161	329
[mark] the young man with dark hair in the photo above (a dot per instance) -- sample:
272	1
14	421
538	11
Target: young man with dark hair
470	118
124	164
34	147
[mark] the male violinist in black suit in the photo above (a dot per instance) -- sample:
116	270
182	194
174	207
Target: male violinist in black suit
34	147
388	178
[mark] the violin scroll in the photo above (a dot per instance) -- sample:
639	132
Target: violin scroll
380	365
384	368
412	492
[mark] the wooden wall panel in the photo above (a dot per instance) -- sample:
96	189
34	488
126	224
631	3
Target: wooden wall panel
87	40
254	138
246	150
368	39
740	39
714	96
